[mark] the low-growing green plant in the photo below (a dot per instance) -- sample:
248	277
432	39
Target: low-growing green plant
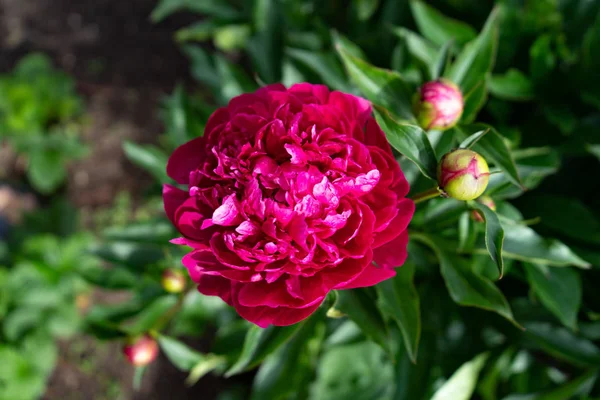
40	117
494	302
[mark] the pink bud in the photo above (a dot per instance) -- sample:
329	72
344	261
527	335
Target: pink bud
486	200
463	174
173	281
141	351
439	105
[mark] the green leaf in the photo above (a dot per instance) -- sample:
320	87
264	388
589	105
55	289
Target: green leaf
360	307
104	330
474	101
182	117
200	31
418	46
563	344
441	61
325	64
494	234
579	223
138	376
461	384
439	28
148	157
569	390
46	170
208	363
381	86
477	57
259	343
131	255
284	371
355	371
493	148
154	232
207	7
409	140
512	85
559	290
523	243
471	140
180	354
152	315
365	8
465	287
266	47
398	299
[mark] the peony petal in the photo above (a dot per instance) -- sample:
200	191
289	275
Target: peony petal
215	286
406	209
228	213
279	316
173	198
392	254
370	276
186	158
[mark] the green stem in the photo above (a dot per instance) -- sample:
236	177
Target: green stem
426	195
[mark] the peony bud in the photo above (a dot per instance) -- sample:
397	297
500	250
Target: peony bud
439	105
173	281
141	351
463	174
486	200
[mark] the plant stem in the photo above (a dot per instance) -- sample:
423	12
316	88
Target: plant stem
426	195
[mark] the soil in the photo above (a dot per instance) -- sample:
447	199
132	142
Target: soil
123	64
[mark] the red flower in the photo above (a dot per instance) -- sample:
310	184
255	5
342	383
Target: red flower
291	193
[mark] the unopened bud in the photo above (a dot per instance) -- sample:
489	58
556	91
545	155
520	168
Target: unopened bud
173	281
141	351
439	105
485	200
463	174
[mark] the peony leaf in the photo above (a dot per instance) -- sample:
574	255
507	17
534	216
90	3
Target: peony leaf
512	85
409	140
461	384
266	47
180	354
439	28
418	46
325	64
442	58
134	256
494	234
381	86
360	308
493	148
563	344
156	231
148	157
465	286
523	243
477	57
559	290
152	315
568	390
259	343
399	300
474	101
471	140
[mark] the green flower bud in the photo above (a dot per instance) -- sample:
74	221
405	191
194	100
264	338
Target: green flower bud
463	174
173	281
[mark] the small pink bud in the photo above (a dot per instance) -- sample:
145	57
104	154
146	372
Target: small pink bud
486	200
173	281
463	174
141	351
439	105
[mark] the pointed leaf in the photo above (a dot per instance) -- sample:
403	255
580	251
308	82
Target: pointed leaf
477	57
559	290
512	85
474	101
418	46
439	28
148	157
409	140
325	64
259	343
399	300
380	86
461	384
180	354
360	308
471	140
494	234
465	286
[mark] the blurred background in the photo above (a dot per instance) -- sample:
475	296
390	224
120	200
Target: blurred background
94	94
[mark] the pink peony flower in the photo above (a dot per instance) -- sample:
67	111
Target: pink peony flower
291	193
439	105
